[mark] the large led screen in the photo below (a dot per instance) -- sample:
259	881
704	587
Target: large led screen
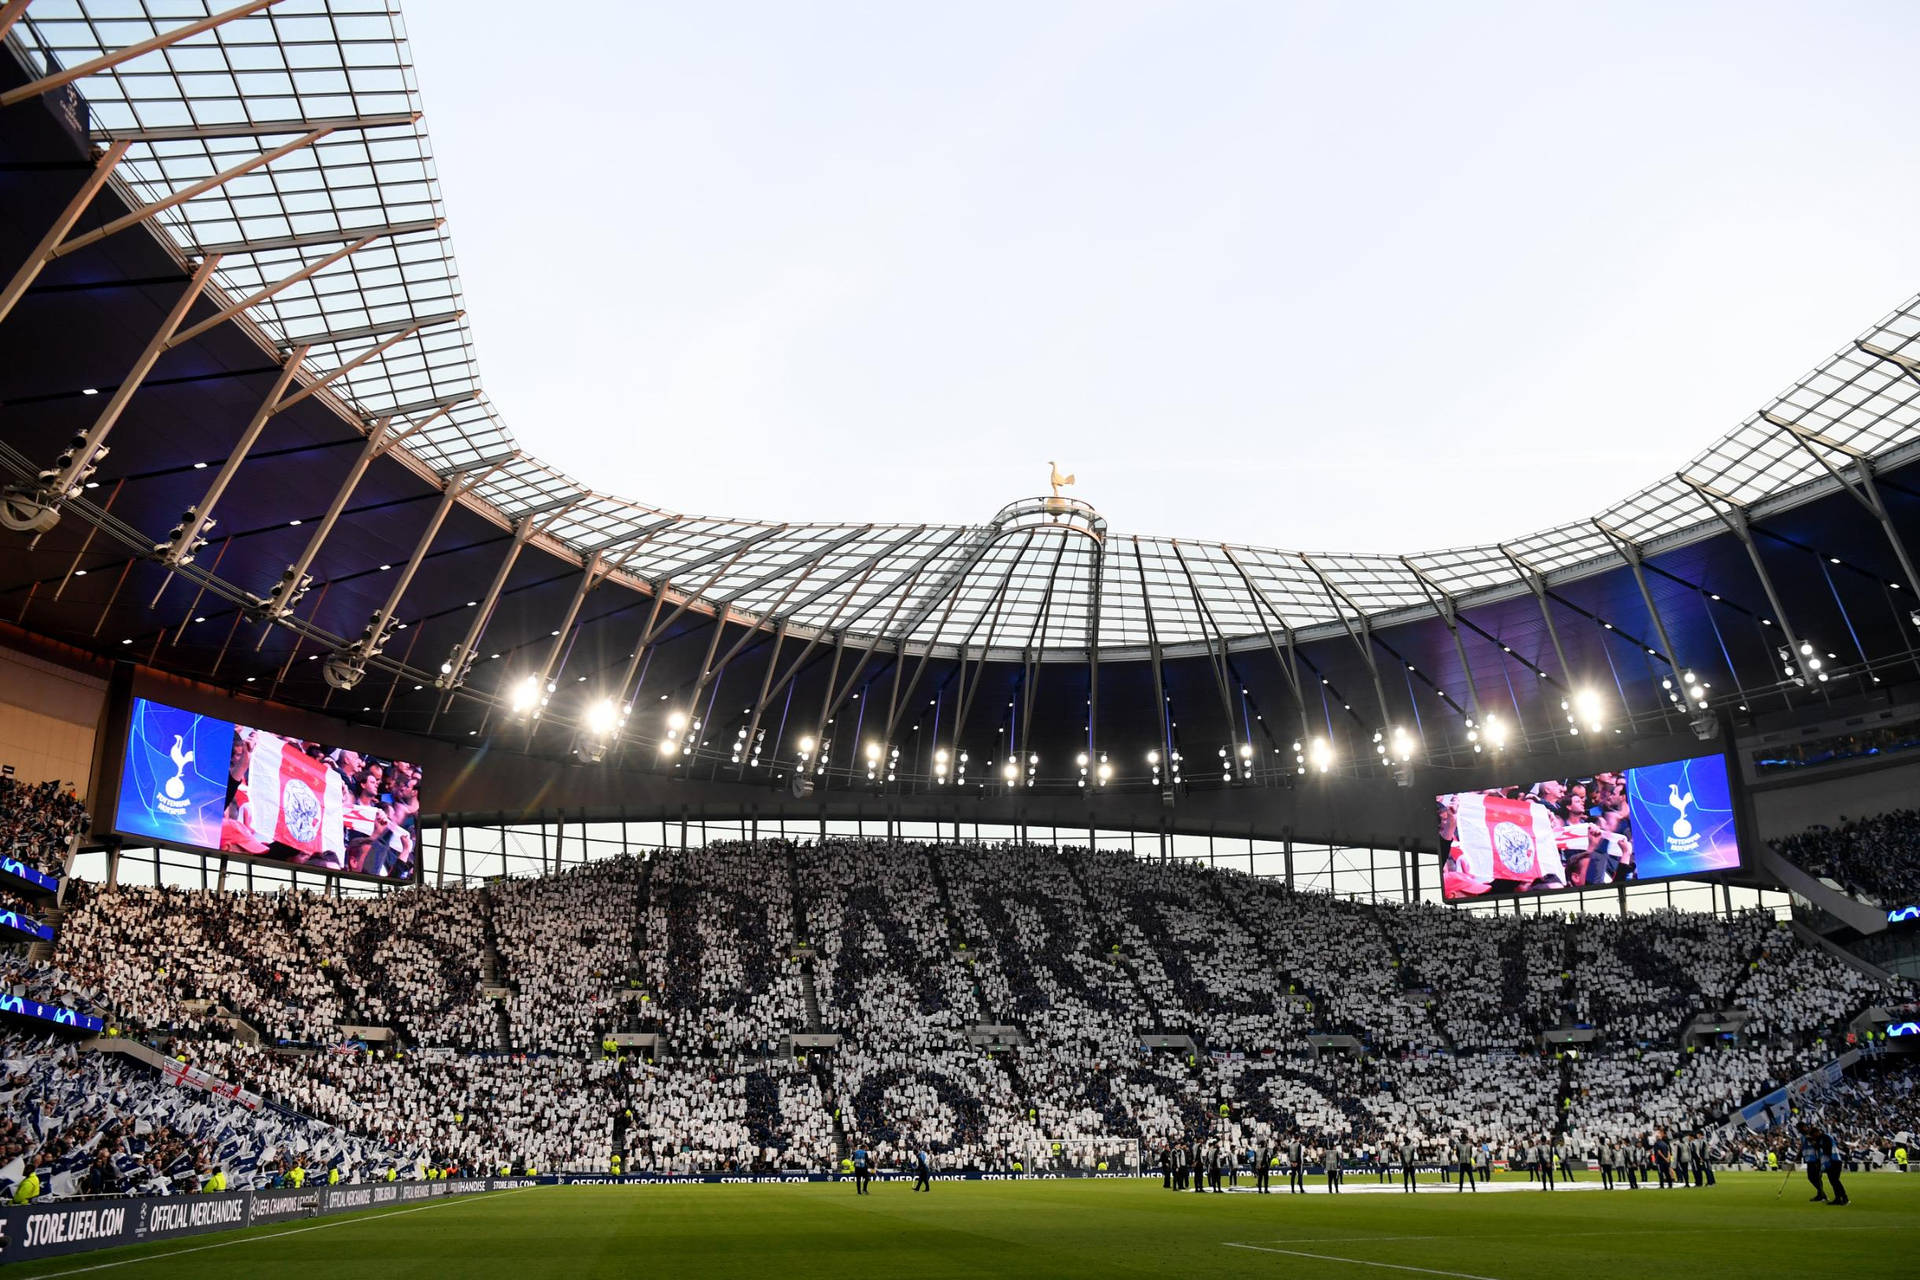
1650	822
201	782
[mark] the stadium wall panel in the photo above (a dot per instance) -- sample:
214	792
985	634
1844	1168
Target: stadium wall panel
47	718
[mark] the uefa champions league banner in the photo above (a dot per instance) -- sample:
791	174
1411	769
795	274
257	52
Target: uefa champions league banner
26	926
73	1226
31	876
1649	822
58	1014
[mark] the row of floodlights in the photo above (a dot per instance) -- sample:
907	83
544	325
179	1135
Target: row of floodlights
1393	745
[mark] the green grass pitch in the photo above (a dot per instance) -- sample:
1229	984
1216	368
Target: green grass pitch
1068	1228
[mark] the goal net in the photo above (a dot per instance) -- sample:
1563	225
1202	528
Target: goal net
1088	1155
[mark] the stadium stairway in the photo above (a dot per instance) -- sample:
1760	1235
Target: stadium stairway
43	950
490	982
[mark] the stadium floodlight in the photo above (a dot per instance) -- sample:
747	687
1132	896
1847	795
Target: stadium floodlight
1584	708
1402	745
1320	754
1011	772
676	720
1105	772
1495	732
806	745
602	716
525	696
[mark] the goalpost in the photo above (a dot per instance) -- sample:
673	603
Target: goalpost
1086	1155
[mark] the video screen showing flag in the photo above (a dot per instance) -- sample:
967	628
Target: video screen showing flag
1648	822
210	784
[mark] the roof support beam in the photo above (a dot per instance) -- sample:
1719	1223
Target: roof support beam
1868	493
753	719
147	211
653	631
11	13
254	128
406	324
1537	584
294	582
107	61
1444	606
448	401
180	550
804	563
327	379
1153	656
43	253
591	573
1906	363
1289	661
287	282
1735	519
374	639
81	460
308	239
1630	552
453	672
1217	663
1362	638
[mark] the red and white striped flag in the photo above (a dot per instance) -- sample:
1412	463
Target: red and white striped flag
1503	839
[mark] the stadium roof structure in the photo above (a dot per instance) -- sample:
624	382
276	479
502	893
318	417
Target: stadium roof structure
272	157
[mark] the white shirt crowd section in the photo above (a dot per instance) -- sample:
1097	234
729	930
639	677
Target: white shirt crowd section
566	947
99	1124
1086	954
719	930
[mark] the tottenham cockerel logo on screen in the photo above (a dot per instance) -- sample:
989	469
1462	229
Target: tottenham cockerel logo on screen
300	810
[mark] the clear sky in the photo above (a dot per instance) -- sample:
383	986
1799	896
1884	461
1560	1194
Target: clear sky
1333	277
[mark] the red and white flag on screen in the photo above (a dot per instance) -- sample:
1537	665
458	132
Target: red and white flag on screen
291	801
1502	839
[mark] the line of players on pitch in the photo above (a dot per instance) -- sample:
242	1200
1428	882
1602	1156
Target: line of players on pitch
1655	1159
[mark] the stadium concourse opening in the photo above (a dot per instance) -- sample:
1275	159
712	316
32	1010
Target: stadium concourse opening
413	861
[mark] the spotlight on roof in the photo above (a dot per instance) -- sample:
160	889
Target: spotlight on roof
1320	755
1584	708
525	696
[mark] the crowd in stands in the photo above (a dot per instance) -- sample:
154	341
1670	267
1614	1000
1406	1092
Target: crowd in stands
102	1124
523	1013
37	820
1875	858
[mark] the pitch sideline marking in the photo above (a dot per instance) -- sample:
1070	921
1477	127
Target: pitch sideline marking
272	1235
1359	1262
